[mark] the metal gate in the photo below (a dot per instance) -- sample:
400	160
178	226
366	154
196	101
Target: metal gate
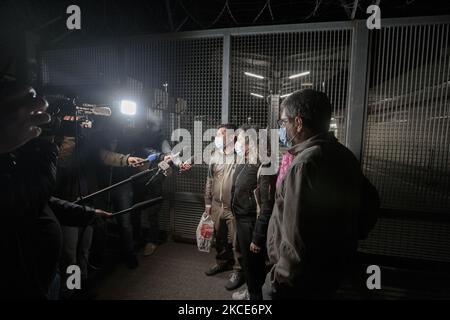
406	144
375	79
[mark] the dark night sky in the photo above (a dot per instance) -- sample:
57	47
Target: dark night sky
108	19
111	18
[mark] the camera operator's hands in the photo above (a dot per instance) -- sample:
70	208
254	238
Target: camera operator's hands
135	162
102	214
21	114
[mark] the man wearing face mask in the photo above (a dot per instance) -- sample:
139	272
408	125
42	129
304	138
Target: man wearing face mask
313	231
218	205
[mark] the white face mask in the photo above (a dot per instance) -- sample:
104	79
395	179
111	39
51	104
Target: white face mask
218	141
239	148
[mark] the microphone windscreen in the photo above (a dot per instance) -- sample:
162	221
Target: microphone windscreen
101	111
152	157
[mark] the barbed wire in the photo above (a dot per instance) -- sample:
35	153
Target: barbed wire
351	8
267	4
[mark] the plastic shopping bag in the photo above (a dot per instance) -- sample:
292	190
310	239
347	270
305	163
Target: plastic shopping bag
205	233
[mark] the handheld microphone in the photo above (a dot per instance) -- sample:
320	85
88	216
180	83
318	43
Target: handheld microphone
150	158
176	157
164	168
189	161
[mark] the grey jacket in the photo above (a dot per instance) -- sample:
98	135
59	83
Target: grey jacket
314	223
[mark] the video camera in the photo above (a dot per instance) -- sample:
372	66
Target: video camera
65	111
68	112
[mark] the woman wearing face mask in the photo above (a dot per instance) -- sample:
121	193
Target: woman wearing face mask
252	197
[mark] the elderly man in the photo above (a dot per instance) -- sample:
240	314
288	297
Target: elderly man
314	228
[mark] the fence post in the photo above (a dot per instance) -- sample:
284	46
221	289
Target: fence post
226	78
357	96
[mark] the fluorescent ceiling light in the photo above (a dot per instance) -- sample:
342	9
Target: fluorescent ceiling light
307	84
285	95
256	95
299	75
437	118
253	75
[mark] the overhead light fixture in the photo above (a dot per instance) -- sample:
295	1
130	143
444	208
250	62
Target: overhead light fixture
128	107
253	75
285	95
307	84
256	95
438	118
299	75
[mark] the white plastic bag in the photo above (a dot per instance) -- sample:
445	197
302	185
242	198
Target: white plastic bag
205	233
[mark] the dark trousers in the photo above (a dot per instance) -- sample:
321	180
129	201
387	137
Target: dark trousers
76	248
253	264
150	224
122	198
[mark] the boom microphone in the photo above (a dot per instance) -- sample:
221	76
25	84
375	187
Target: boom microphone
138	206
93	109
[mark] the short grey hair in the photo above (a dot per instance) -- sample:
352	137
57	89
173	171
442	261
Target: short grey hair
312	106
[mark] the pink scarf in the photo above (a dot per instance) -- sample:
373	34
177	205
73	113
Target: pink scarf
285	163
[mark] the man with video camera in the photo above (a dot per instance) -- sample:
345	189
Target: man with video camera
31	237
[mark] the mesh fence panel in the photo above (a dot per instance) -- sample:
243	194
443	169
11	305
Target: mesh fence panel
182	83
268	67
406	152
80	66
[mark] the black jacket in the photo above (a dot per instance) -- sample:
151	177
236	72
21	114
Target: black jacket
266	191
31	236
243	200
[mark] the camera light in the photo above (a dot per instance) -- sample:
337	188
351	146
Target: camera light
128	107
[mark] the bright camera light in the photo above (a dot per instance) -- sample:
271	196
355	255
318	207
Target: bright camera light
128	107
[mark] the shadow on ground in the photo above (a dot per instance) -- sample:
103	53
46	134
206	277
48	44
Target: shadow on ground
175	271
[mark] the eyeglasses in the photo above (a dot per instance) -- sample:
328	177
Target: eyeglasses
282	122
